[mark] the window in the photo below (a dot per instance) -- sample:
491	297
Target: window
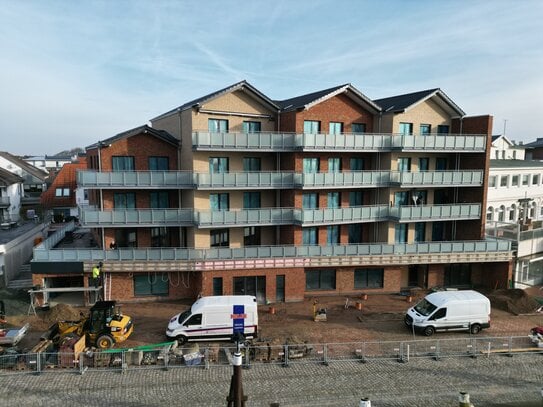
333	200
441	164
424	163
355	233
219	238
406	128
151	284
159	200
492	181
438	231
420	232
334	164
309	236
251	236
217	126
312	126
60	192
217	286
219	202
497	153
369	278
311	165
400	233
356	198
251	200
358	128
158	164
490	213
125	200
525	179
332	235
401	198
320	280
126	237
160	237
514	180
442	129
335	128
251	164
122	163
504	180
535	179
457	275
218	165
195	320
440	313
512	211
425	129
404	164
251	127
356	164
310	200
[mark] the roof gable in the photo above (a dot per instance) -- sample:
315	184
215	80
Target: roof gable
25	166
8	178
401	103
65	179
161	134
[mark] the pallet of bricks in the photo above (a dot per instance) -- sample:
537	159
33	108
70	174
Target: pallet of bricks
269	351
69	350
43	351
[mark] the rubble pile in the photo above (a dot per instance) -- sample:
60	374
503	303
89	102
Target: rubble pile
515	301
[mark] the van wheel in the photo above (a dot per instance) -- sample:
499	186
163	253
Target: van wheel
475	329
181	339
104	342
429	330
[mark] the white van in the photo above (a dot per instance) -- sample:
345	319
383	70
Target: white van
214	318
450	311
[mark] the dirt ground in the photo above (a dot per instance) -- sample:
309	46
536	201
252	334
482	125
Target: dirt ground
380	318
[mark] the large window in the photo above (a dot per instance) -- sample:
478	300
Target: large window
251	236
420	232
333	200
356	198
125	237
151	284
251	164
425	129
218	165
369	278
335	128
535	179
355	233
492	181
309	236
404	164
504	180
320	280
358	128
219	202
219	238
514	180
356	164
457	275
400	233
160	237
406	128
424	163
332	234
401	198
441	164
334	164
312	126
251	200
251	127
310	200
159	200
442	129
126	200
525	179
158	164
311	165
122	163
217	125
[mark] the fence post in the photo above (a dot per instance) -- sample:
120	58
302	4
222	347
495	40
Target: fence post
400	352
473	345
363	356
206	358
82	368
325	355
38	363
166	357
510	354
285	355
124	365
247	364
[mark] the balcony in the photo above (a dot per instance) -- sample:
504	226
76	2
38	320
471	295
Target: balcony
281	142
4	201
355	179
246	180
435	212
136	217
437	178
335	216
136	179
245	217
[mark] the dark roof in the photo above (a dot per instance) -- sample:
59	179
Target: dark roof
494	138
8	178
25	166
300	102
399	103
203	99
516	164
161	134
535	144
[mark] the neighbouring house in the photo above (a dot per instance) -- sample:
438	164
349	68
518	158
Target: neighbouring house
505	149
50	163
11	192
328	193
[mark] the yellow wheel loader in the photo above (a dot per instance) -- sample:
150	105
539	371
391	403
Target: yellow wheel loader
103	327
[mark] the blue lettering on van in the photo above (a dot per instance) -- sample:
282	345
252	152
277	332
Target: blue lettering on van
239	323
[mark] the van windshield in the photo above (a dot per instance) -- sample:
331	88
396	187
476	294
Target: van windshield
425	307
183	316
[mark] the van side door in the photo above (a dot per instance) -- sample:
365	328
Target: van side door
439	319
193	325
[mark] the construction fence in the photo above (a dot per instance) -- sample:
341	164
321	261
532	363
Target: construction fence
169	355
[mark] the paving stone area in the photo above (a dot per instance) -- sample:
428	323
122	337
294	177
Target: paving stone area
496	380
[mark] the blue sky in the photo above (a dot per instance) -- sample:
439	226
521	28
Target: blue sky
74	72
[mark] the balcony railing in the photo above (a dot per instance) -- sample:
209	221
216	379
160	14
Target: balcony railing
245	217
437	178
137	217
435	212
357	214
274	180
381	252
337	142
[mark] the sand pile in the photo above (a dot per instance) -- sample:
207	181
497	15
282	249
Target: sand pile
62	312
515	301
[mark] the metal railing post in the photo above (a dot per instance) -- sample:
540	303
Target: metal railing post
325	355
285	356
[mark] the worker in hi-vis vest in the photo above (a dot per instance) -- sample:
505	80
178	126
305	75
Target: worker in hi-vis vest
96	274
